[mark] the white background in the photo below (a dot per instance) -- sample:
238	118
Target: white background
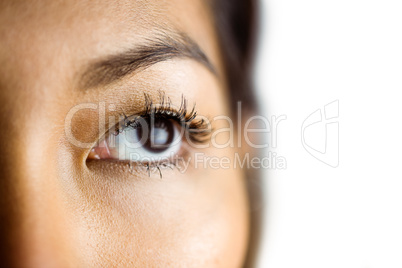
314	52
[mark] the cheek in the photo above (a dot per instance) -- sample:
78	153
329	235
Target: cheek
199	217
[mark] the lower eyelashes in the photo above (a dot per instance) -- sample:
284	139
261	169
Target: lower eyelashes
154	138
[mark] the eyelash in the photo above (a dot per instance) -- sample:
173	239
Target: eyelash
198	131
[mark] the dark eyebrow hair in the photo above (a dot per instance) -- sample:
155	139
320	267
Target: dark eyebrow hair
161	48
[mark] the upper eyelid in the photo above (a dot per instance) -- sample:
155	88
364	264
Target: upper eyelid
163	105
131	121
182	118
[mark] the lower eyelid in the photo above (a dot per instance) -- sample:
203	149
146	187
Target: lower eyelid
120	169
182	116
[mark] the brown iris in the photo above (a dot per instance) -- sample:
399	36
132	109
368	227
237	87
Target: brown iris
159	135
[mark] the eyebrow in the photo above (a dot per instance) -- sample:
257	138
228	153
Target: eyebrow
158	49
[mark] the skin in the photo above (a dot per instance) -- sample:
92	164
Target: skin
57	208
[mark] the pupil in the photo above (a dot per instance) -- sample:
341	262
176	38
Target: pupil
159	136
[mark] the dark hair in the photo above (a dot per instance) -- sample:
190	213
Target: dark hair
236	24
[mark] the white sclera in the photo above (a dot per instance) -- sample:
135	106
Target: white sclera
130	148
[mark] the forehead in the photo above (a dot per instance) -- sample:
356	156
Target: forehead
38	32
100	17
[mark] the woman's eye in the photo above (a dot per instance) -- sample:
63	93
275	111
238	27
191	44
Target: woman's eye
144	141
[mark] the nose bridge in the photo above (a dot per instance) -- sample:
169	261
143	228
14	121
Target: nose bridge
31	210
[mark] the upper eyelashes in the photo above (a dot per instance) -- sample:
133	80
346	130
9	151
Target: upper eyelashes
155	137
198	131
